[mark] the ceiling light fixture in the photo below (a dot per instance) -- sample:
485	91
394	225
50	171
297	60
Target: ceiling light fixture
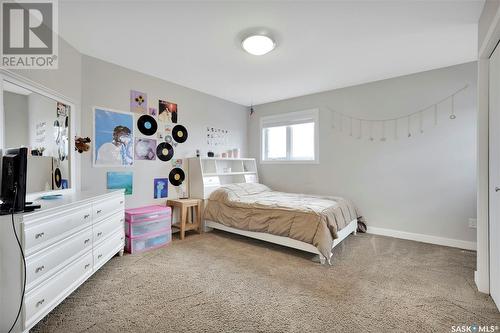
258	44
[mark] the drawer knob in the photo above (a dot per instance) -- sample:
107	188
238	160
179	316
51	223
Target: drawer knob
99	211
99	233
86	216
86	241
121	202
40	302
122	220
87	266
39	235
39	269
99	256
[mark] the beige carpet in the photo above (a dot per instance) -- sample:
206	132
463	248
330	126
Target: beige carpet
218	282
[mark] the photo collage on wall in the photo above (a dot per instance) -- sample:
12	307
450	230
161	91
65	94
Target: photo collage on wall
217	136
118	143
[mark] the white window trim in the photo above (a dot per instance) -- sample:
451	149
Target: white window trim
288	119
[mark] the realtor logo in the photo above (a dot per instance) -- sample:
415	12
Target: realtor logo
29	34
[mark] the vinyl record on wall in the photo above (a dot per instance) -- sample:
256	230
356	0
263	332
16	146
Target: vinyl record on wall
57	177
147	125
179	133
176	176
164	151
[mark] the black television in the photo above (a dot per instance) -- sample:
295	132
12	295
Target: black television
14	165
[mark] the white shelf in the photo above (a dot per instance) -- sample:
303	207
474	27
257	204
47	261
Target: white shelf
225	159
202	172
229	173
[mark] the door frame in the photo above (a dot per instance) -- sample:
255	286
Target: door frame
485	49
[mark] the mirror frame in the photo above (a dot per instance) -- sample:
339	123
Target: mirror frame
21	81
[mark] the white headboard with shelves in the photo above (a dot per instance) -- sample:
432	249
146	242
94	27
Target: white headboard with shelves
208	174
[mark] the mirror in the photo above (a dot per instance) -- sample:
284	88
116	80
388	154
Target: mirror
42	125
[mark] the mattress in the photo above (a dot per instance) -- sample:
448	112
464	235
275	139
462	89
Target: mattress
255	207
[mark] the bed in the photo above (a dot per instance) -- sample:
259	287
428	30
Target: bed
315	224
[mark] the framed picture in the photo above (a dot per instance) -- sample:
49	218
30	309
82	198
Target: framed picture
167	112
120	180
145	149
138	102
113	138
160	188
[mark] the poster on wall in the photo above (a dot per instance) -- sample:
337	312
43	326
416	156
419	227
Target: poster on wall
160	188
145	149
138	102
167	112
113	133
120	180
62	109
217	136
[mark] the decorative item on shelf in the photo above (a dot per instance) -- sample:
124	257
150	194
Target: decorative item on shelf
236	153
368	127
210	154
197	153
230	153
82	144
224	155
57	178
227	170
37	151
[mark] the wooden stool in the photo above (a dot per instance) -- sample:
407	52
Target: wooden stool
185	206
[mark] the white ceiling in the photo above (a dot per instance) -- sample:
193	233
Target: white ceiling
320	45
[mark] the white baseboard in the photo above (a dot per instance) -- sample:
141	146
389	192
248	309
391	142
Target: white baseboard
461	244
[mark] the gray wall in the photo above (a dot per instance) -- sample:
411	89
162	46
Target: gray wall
16	119
107	85
425	184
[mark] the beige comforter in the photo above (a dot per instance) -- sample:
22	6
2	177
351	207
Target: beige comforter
307	218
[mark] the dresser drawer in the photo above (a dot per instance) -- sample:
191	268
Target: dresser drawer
106	227
44	298
109	248
48	230
107	207
41	265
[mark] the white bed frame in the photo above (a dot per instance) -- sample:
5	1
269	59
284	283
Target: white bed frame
289	242
208	174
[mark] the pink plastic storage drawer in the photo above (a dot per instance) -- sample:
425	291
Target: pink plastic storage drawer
133	230
147	243
147	213
146	221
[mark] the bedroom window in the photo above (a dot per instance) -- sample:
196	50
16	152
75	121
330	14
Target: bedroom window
290	137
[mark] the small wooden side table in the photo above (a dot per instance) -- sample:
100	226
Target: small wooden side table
186	205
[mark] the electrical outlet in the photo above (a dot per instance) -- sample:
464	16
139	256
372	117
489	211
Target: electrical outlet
473	223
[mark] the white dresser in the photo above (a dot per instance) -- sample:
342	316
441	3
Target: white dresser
65	242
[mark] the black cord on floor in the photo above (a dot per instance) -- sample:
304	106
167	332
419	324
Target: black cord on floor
24	261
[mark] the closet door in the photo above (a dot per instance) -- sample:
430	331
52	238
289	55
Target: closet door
494	133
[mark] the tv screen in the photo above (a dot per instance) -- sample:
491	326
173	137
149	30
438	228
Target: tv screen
14	164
